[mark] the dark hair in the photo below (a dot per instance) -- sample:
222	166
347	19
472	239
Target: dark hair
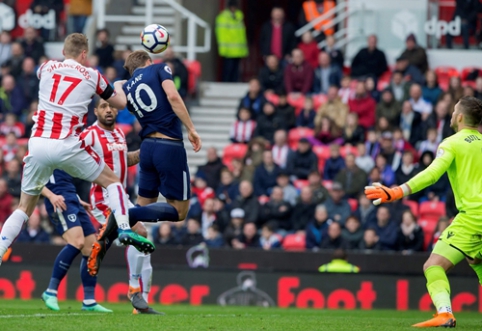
103	30
270	225
472	109
339	254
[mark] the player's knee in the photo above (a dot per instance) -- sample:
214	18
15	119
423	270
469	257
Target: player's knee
77	242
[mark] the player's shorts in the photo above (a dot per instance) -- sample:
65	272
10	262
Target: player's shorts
101	210
75	215
45	155
460	240
163	168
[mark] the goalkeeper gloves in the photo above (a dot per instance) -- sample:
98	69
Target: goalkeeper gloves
382	194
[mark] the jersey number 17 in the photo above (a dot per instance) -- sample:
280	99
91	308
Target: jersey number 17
138	103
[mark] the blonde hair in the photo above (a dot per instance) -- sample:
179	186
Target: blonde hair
75	44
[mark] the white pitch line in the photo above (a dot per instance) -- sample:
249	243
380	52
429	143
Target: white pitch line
49	315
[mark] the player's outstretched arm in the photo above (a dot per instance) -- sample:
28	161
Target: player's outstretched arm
118	99
57	201
180	109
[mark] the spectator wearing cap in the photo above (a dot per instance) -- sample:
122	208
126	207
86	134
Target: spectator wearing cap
32	46
410	72
298	75
389	108
265	175
302	161
281	150
415	54
268	122
193	235
317	228
235	227
271	75
247	201
334	163
334	239
277	35
303	210
254	99
249	238
277	211
388	150
352	178
337	206
333	108
201	190
369	61
419	104
326	74
228	187
363	105
320	193
286	111
212	168
290	194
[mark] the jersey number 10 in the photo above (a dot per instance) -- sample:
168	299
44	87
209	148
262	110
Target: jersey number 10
138	104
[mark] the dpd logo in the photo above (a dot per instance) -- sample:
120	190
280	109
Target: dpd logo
441	28
37	21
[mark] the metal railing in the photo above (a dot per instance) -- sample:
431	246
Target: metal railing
193	21
335	11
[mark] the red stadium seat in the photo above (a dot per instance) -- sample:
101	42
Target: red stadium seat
126	128
353	204
234	151
300	183
21	141
296	134
347	149
466	71
428	226
263	199
194	69
273	98
318	100
296	103
413	206
444	73
384	80
294	242
323	153
328	184
432	210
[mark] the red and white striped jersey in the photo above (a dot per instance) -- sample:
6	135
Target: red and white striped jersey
111	146
65	91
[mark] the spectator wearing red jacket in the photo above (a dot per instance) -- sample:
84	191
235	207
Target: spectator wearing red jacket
201	188
5	201
298	74
310	50
363	105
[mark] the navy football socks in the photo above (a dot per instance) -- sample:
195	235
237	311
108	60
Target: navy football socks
61	266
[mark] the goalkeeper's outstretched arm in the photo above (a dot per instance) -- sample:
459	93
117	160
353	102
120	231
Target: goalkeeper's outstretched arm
382	194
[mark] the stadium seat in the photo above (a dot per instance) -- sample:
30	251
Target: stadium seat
347	149
353	204
444	73
21	141
328	184
413	206
432	210
126	128
296	134
273	98
294	242
428	226
263	199
194	69
318	100
384	80
323	153
234	151
300	183
296	103
466	71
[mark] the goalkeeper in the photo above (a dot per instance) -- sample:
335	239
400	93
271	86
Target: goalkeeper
461	157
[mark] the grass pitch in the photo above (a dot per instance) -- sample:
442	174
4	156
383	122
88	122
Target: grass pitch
32	316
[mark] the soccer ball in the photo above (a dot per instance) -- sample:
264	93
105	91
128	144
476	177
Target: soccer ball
155	38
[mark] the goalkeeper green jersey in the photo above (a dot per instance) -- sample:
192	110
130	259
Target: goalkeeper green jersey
460	155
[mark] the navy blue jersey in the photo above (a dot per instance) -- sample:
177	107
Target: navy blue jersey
147	100
61	183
